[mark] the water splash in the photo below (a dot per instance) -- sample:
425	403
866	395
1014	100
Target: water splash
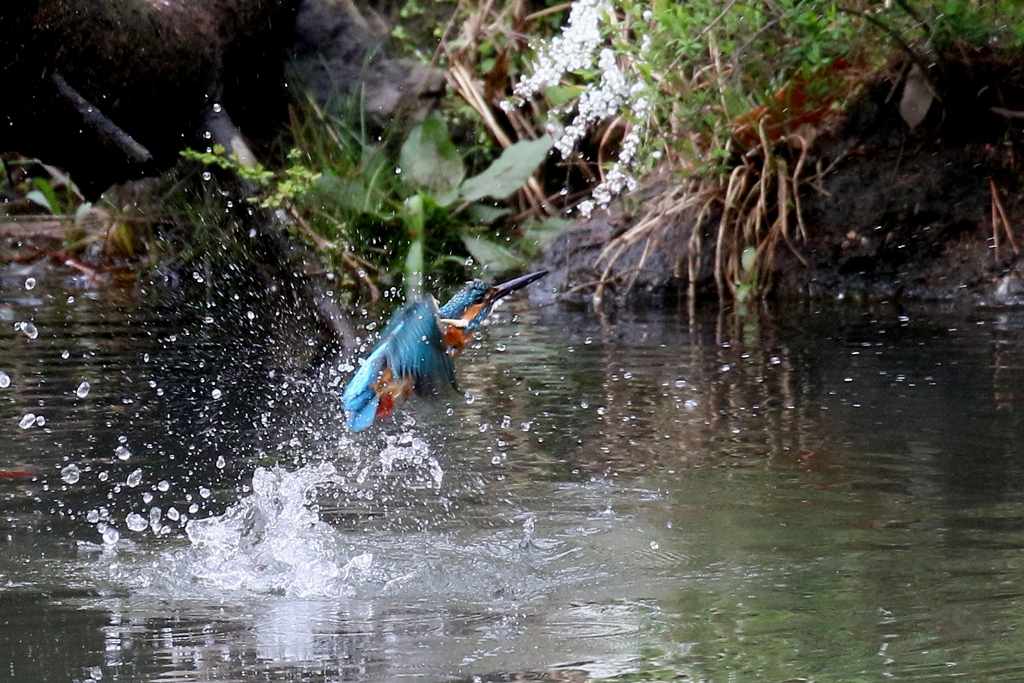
273	541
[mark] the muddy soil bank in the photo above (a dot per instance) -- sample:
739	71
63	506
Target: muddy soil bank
930	213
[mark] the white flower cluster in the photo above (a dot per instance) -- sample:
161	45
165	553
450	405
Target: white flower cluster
618	178
596	104
574	51
571	51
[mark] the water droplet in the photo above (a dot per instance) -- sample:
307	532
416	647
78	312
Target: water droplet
40	420
250	315
470	398
216	394
71	474
221	462
172	514
204	492
147	497
122	453
65	354
5	380
83	390
207	175
92	516
135	522
103	476
654	545
690	404
110	536
30	283
680	383
30	330
164	486
27	420
134	479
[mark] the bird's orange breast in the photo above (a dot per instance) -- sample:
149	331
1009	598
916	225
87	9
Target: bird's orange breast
390	390
455	339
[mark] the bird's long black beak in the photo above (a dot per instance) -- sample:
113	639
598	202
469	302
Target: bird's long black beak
506	288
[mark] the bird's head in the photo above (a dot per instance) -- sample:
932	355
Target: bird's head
475	301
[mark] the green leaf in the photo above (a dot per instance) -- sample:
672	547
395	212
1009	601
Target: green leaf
748	259
81	213
37	197
485	214
351	194
51	202
491	255
415	219
509	172
429	160
562	94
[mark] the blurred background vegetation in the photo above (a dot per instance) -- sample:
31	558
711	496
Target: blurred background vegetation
736	92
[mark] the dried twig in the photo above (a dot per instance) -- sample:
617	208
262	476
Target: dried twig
107	132
460	78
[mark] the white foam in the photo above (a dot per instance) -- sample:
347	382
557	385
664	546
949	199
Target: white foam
273	541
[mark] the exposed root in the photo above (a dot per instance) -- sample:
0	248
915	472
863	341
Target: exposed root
649	227
999	218
760	210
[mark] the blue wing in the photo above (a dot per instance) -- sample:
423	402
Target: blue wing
359	399
416	349
412	348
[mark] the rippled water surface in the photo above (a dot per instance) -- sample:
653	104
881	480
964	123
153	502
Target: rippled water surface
794	495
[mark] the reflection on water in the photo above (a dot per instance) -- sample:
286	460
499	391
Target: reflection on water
826	495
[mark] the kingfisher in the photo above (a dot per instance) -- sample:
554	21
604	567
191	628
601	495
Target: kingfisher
415	351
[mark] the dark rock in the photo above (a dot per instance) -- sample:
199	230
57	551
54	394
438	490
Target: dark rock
341	51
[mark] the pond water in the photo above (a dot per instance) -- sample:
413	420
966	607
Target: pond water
787	495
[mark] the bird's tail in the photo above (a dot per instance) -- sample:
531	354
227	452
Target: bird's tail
361	409
359	399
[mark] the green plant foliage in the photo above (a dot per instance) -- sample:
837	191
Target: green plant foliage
429	159
276	189
491	255
415	221
399	207
509	172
